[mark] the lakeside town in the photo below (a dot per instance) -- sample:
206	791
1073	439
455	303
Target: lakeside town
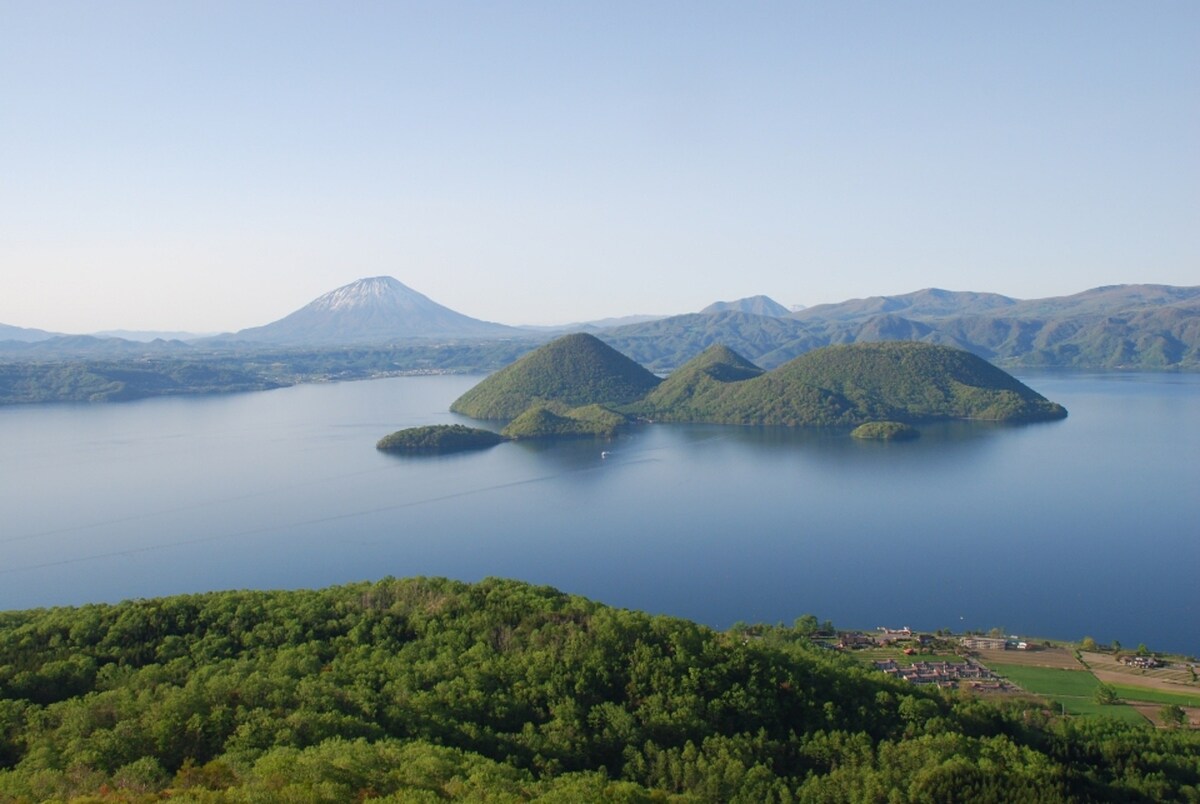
1084	679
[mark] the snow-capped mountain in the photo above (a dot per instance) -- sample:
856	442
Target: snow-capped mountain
374	310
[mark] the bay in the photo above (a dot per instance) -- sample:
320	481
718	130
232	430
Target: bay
1087	526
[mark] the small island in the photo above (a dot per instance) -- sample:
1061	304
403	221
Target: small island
439	438
545	421
885	431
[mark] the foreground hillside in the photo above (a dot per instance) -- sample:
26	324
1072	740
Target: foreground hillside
426	689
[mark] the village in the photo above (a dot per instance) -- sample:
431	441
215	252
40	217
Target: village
1087	679
946	674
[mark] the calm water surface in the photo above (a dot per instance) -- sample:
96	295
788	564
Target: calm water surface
1087	526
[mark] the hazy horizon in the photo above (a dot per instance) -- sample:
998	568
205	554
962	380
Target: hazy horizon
209	167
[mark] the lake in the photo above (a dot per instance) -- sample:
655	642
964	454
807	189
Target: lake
1087	526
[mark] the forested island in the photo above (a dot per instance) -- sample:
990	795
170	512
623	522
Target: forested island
438	438
885	431
429	689
837	386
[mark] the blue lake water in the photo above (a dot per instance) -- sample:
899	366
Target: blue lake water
1088	526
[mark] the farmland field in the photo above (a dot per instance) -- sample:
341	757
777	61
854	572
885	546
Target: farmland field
1073	690
1050	657
1168	679
1133	693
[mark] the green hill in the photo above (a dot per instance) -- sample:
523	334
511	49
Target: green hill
431	690
907	382
846	386
690	391
541	421
573	370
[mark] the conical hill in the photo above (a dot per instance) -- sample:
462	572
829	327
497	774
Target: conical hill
843	386
913	381
697	383
892	380
573	370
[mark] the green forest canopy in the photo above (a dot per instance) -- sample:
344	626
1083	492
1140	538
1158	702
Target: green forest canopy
425	689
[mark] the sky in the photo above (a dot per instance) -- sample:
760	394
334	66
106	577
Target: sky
209	166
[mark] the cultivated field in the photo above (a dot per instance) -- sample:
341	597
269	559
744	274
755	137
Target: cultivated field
1168	679
1156	696
1060	658
1153	713
1072	689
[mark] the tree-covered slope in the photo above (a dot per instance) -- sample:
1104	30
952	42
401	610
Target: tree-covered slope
573	370
908	382
428	689
846	386
543	421
107	381
690	391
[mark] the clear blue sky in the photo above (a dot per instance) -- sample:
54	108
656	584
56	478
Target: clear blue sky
212	166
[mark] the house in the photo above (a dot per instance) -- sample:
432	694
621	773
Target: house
983	643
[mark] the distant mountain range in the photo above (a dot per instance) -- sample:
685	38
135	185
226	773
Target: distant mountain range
1141	327
23	335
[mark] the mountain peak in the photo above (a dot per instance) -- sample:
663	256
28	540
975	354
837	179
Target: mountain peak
756	305
369	292
375	309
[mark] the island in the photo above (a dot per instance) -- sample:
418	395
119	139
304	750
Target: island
548	421
901	382
885	431
439	438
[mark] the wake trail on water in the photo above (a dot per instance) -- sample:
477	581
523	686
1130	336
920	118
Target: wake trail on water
131	551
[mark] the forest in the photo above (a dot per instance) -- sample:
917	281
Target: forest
428	689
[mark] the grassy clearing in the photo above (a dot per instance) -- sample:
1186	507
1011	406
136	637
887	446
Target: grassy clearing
1156	696
1073	690
1050	681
